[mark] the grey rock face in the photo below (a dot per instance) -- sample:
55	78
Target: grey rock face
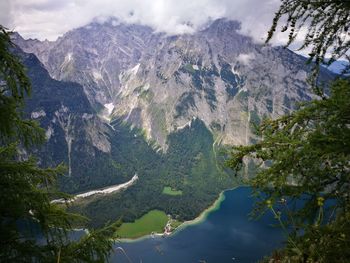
160	83
93	56
75	135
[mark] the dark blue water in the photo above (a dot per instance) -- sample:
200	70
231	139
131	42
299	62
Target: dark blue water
227	235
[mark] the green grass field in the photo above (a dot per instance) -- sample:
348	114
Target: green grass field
153	221
168	191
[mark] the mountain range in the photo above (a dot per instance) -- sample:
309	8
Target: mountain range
118	99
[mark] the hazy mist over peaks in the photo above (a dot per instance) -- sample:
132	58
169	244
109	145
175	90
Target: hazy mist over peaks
49	19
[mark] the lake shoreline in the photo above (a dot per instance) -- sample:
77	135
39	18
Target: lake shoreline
199	219
226	235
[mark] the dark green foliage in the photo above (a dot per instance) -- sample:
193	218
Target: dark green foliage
243	96
189	165
26	189
91	168
14	86
306	155
255	120
327	24
50	94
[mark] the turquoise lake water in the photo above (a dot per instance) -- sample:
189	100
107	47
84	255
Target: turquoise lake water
227	235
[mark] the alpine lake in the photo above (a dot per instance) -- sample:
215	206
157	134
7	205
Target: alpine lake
224	233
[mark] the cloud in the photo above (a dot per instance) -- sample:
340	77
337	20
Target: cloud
48	19
5	15
245	58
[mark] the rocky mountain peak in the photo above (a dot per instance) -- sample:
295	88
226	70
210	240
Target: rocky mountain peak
221	26
159	83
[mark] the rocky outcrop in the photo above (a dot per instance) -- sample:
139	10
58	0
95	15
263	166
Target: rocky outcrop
160	83
75	135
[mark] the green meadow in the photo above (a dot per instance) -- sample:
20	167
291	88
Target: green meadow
168	191
153	221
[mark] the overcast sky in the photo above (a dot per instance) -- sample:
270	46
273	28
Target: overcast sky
48	19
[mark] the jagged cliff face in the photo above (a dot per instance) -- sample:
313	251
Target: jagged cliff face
189	93
75	135
93	56
215	75
161	83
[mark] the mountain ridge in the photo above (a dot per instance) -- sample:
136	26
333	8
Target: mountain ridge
158	82
156	105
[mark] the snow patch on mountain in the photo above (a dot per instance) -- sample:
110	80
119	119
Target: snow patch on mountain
97	75
38	114
135	69
109	107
